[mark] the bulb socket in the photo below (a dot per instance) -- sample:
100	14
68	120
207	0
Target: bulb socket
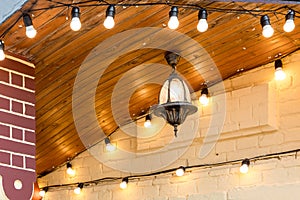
75	12
107	141
265	20
278	64
173	12
290	15
27	20
125	180
202	14
246	162
204	91
2	45
111	11
80	185
69	165
148	117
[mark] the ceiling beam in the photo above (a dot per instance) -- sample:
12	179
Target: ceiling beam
266	1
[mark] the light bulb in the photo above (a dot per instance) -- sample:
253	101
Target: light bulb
110	147
147	123
289	25
173	22
279	74
2	54
109	22
30	31
123	184
180	171
42	193
75	24
202	25
70	170
245	166
204	100
77	190
202	17
267	31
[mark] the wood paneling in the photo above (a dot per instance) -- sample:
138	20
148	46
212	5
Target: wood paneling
233	41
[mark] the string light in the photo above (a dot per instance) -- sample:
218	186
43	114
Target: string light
75	22
70	170
109	21
123	184
245	166
266	25
289	25
173	20
204	100
109	147
43	192
147	123
78	189
30	30
180	171
279	73
2	54
202	17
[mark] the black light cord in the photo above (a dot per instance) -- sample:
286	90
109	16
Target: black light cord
172	170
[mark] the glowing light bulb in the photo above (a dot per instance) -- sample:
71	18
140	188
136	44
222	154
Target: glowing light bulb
75	22
279	74
2	54
268	31
123	184
204	100
70	170
78	189
289	24
202	25
109	146
245	166
180	171
109	22
42	193
30	31
147	123
173	20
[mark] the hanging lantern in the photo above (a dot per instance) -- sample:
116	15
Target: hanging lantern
174	98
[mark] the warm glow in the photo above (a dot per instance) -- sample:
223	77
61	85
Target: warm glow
204	100
279	74
2	54
70	171
75	24
289	25
110	147
77	190
202	25
123	184
30	31
173	22
42	193
244	168
147	124
267	31
109	22
180	171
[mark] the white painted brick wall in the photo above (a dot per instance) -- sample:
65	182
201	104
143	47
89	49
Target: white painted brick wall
262	116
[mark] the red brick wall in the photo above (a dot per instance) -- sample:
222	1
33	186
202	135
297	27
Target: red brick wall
17	128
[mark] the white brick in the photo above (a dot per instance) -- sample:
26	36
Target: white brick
247	142
270	139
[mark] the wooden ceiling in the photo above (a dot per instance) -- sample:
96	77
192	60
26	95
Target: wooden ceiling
233	40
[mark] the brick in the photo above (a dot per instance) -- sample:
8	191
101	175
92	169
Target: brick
17	107
30	163
30	136
17	133
17	120
30	110
29	83
4	104
270	139
4	76
5	158
17	147
16	79
17	93
18	67
247	142
4	130
17	160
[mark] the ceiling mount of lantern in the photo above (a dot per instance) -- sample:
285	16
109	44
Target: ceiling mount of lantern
174	98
